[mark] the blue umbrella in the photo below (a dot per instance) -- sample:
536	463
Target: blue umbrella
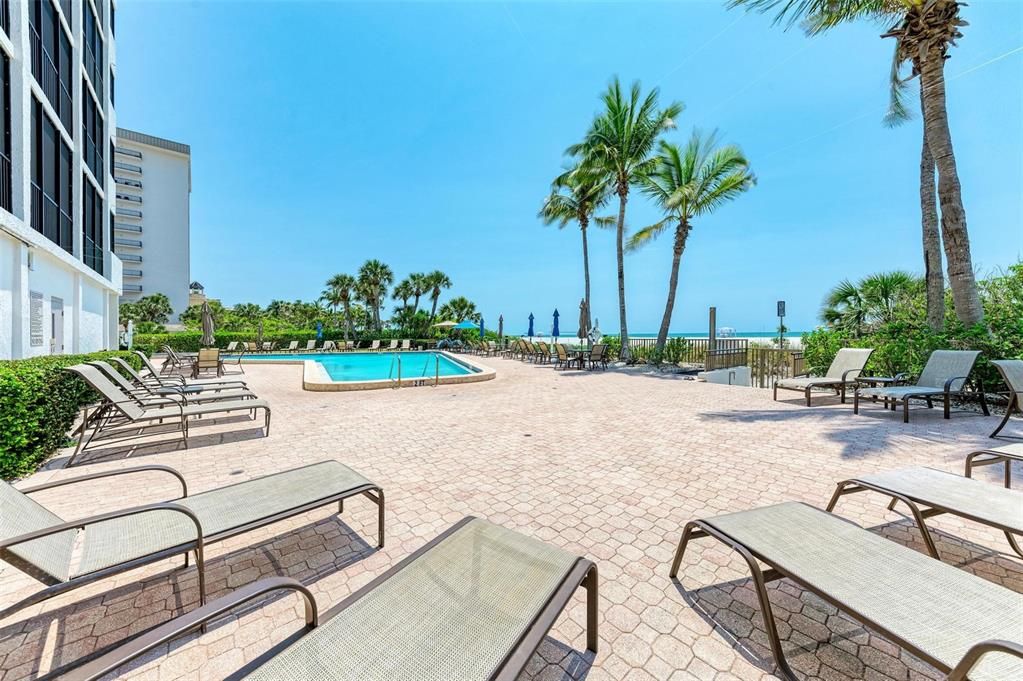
319	330
481	327
556	332
530	332
464	325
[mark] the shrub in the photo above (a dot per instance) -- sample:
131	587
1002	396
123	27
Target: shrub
190	341
38	404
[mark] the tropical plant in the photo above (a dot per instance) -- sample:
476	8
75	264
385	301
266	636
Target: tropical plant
154	308
618	147
687	183
403	291
374	279
460	309
342	288
856	308
436	281
574	197
420	285
924	31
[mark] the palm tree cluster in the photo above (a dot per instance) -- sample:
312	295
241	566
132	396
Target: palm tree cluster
371	286
924	31
625	148
857	308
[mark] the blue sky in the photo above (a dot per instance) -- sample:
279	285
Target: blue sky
426	135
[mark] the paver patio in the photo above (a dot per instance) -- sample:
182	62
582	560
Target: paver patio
610	465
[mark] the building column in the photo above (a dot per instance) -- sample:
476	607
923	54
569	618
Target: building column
19	302
76	316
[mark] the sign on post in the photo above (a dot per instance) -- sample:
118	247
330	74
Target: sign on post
781	308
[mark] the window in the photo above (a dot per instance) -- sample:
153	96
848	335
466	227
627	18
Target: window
51	180
113	12
92	52
92	134
5	132
92	226
111	87
51	58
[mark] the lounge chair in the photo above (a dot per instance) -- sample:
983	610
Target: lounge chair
232	346
406	344
329	346
951	619
292	347
350	346
393	345
145	392
208	359
175	362
929	492
562	359
944	375
41	543
166	385
251	347
544	350
847	365
1005	454
310	345
1012	373
597	357
375	345
181	380
268	346
121	417
473	603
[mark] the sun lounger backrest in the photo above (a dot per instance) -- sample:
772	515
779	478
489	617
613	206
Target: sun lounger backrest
848	359
115	376
945	364
1012	373
21	515
146	363
110	392
310	345
127	367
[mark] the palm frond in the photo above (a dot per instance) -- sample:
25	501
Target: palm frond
647	234
898	89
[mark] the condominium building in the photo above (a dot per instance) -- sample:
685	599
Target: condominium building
151	226
59	279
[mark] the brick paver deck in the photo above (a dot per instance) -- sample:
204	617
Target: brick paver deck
609	465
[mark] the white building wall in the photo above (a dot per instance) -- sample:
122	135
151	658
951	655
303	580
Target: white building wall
165	193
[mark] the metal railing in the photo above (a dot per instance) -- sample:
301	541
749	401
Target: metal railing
6	192
92	255
768	365
5	16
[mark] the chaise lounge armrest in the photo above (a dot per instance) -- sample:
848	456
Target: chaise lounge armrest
108	474
191	622
962	670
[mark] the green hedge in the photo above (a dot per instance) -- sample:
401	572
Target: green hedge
38	405
189	341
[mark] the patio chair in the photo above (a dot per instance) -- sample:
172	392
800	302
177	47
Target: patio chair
232	346
544	352
175	362
375	345
154	374
167	385
329	346
944	375
847	365
268	346
562	359
598	357
1012	373
292	347
929	492
145	391
958	622
349	346
310	345
393	345
1004	454
406	344
251	347
121	417
208	359
473	603
40	543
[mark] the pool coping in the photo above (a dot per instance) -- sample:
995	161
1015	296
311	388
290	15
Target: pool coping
316	379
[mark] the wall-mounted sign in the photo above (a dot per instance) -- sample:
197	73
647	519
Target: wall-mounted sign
35	315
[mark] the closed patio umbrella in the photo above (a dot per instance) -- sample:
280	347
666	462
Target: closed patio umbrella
584	320
481	327
500	327
207	340
556	331
530	332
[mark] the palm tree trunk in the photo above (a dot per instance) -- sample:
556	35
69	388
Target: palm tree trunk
933	277
348	321
681	234
623	197
433	310
583	222
953	216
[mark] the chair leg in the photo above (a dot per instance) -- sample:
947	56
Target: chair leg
983	400
807	394
775	392
380	518
1013	404
905	410
591	608
856	401
1012	542
918	517
948	400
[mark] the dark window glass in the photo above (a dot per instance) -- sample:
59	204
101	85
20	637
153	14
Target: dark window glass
92	134
51	58
5	133
92	41
92	226
51	180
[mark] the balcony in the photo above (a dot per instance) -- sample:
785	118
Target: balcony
127	182
131	288
132	198
129	257
132	273
128	152
128	167
6	194
125	227
129	212
129	243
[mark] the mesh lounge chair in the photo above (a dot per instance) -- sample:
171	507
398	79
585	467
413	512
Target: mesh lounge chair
944	375
329	346
847	365
268	346
251	347
406	344
953	620
233	346
41	543
146	392
181	380
292	347
310	345
929	492
349	346
393	345
375	345
543	352
162	385
175	362
1005	454
122	416
473	603
1012	373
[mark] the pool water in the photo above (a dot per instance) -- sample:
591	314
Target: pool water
375	366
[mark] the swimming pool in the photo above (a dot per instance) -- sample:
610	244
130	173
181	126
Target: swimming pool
368	370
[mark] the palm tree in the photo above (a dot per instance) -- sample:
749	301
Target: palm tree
343	287
874	300
418	282
460	309
575	195
924	31
402	292
618	147
686	184
435	281
374	278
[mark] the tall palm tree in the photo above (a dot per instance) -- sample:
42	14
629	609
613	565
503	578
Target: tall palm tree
402	292
418	282
435	282
460	309
924	31
374	278
687	183
343	286
574	197
618	146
